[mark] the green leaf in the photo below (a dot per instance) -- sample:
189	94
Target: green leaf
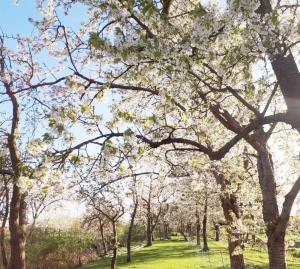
75	159
141	150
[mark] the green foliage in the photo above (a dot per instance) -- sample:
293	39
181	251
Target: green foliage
75	159
47	137
295	252
95	41
138	234
198	11
25	168
126	115
141	150
54	246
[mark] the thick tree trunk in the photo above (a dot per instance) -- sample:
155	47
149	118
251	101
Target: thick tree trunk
17	227
115	247
198	228
288	77
3	252
276	249
204	227
231	212
276	226
268	188
130	229
2	231
17	216
287	73
236	260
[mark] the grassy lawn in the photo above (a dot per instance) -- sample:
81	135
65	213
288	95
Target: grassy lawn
184	255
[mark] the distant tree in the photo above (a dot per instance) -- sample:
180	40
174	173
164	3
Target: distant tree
107	203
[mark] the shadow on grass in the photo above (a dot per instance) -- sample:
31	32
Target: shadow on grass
179	254
168	254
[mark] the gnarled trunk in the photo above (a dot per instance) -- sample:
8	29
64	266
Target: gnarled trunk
231	212
236	259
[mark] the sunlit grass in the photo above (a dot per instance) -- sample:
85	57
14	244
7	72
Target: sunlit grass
177	254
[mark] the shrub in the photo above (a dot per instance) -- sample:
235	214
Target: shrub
56	249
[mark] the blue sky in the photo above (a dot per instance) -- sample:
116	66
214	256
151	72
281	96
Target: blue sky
14	18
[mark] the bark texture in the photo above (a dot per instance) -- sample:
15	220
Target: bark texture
17	216
113	264
204	225
231	212
2	231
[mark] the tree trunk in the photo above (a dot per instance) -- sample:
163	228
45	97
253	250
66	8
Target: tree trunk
288	77
115	247
17	227
276	224
2	231
3	252
189	231
276	249
287	73
204	224
182	231
166	230
236	259
253	240
217	231
198	228
17	216
102	237
231	212
149	232
276	246
129	237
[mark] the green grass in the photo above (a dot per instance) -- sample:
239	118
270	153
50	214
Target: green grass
183	255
